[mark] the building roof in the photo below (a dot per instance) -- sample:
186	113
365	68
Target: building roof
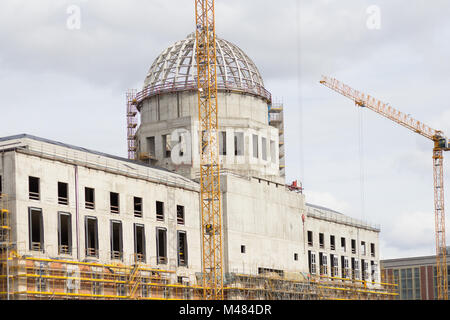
58	151
330	215
175	69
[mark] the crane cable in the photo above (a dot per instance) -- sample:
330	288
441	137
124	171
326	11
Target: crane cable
361	160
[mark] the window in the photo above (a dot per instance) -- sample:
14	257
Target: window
114	202
182	248
139	242
89	198
344	266
91	227
166	146
334	265
365	270
239	144
310	238
159	211
295	256
137	202
161	245
312	262
323	262
372	249
272	152
36	229
242	249
33	188
116	240
332	243
63	194
321	241
1	186
343	245
255	146
355	268
222	143
151	147
353	246
64	233
363	248
264	148
180	215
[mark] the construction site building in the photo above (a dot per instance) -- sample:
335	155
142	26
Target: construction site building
84	224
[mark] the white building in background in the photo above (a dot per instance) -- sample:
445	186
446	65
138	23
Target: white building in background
70	203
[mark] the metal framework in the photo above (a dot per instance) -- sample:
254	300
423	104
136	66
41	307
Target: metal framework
440	145
211	212
132	122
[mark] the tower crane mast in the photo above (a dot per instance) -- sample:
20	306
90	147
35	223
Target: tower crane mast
211	216
440	145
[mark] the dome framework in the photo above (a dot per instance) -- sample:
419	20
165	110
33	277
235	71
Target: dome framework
175	69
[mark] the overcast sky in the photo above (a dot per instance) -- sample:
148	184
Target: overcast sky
66	83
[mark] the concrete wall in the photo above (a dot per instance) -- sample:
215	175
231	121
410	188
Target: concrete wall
238	113
266	219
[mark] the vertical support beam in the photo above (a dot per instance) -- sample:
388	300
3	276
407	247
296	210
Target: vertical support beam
441	254
212	264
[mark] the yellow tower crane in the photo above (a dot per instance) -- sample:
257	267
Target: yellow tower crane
212	264
440	145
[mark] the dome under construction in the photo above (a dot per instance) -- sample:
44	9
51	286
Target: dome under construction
175	69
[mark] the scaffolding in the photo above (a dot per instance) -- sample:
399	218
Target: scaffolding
33	278
276	119
132	123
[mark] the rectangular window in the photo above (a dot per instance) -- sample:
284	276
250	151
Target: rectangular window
151	146
272	151
264	148
323	262
372	249
355	268
353	246
166	146
63	193
332	243
345	268
343	245
180	215
64	233
310	238
242	249
89	198
91	231
137	202
239	144
161	245
159	211
36	229
139	243
182	248
33	188
116	240
295	256
312	262
255	146
363	248
321	241
114	202
334	265
222	143
1	186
